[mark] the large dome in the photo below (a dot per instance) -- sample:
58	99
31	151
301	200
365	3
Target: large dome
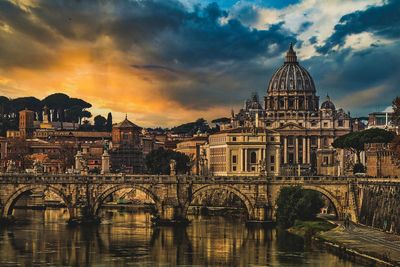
291	77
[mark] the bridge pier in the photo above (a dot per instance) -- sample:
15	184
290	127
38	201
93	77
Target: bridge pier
83	215
262	214
7	220
170	214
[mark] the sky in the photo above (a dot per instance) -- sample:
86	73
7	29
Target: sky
166	62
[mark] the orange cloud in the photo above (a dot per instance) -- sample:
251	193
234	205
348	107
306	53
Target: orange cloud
104	77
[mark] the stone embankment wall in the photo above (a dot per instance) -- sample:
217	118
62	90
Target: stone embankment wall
382	160
380	207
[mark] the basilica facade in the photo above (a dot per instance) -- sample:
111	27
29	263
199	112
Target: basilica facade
293	114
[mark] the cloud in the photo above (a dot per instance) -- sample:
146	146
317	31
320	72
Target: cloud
180	60
347	72
383	21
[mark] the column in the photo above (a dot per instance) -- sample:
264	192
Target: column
308	150
296	149
105	163
277	160
284	150
304	150
228	160
240	159
319	142
245	160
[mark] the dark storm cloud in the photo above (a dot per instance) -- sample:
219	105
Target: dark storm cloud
305	26
347	73
247	14
313	40
204	57
382	20
197	51
26	43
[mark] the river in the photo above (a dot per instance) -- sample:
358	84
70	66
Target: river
127	239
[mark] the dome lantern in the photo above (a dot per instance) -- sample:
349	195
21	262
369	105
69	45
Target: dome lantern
291	55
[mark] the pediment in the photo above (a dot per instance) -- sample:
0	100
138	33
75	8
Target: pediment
291	126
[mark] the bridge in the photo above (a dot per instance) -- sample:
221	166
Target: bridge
84	195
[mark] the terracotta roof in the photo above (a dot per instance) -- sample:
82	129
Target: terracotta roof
126	124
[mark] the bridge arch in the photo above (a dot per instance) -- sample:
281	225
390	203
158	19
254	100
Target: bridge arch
106	193
15	196
336	204
245	199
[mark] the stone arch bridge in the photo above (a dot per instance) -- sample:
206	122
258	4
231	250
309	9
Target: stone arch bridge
84	195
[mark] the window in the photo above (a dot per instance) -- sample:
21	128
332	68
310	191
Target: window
325	125
272	159
313	140
326	160
272	168
291	158
340	123
234	168
272	139
290	140
281	103
291	103
234	159
253	157
326	141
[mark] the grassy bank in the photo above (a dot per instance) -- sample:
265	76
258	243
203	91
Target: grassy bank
310	228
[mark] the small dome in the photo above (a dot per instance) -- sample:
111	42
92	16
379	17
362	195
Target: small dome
291	77
328	104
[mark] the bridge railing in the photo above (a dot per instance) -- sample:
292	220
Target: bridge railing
158	179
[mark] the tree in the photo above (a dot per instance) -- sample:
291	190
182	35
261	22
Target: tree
86	114
296	203
396	111
158	161
31	103
109	122
355	141
99	123
192	127
58	102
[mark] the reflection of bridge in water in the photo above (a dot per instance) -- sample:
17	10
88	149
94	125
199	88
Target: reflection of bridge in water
130	236
84	195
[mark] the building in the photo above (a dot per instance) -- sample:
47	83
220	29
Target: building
251	111
383	160
126	153
52	131
242	151
192	148
306	129
382	120
26	125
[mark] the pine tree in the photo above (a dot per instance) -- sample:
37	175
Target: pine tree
109	122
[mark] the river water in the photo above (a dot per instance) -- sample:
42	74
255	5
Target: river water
127	239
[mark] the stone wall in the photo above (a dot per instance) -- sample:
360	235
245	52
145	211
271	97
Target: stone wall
382	160
380	207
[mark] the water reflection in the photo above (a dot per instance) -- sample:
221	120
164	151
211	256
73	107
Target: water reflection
127	239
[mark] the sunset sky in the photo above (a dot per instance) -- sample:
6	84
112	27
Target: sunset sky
165	62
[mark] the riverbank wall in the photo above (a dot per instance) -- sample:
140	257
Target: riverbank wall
380	207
